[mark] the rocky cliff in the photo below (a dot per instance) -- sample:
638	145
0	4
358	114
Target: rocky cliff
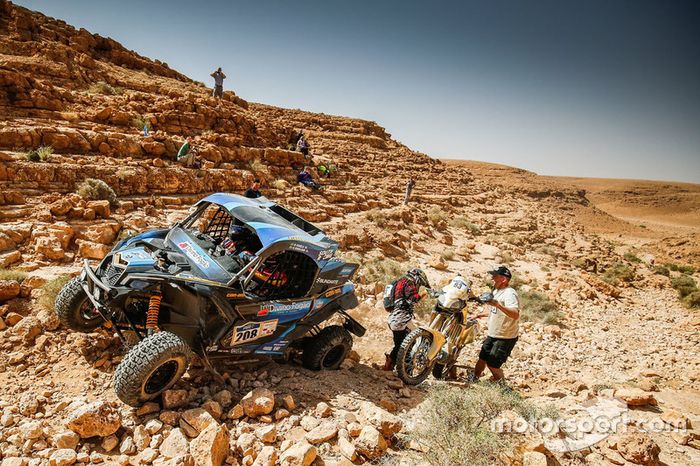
73	104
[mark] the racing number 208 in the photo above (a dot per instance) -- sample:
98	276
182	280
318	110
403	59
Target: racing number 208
247	335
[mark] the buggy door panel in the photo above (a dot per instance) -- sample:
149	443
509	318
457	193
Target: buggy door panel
287	271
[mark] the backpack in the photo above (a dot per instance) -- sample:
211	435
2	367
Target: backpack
389	298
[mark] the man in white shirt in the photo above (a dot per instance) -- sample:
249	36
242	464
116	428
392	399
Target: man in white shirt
504	314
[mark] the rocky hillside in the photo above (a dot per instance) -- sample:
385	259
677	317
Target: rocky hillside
604	319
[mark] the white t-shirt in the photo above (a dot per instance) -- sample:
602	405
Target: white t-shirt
500	325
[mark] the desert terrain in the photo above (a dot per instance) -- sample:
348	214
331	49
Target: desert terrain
606	269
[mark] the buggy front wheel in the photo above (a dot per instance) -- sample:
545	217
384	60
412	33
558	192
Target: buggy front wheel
149	368
327	349
74	308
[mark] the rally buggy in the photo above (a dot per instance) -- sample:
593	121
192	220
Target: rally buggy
237	278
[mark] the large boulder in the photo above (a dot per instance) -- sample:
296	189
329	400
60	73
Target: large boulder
370	443
96	419
299	454
9	289
387	423
211	447
638	448
175	445
635	396
196	420
258	402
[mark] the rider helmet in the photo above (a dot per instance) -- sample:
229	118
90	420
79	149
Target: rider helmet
419	276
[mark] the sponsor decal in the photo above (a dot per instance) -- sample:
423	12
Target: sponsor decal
325	255
277	308
328	281
332	292
346	271
135	254
235	295
277	347
252	331
299	247
194	255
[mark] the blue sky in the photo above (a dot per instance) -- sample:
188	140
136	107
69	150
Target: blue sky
597	88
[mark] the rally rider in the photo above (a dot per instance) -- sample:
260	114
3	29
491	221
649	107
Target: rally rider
405	295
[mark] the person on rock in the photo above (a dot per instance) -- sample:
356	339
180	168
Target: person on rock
409	188
254	191
219	77
504	315
404	295
186	154
303	146
304	177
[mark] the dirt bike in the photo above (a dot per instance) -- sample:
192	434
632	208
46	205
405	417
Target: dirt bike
435	347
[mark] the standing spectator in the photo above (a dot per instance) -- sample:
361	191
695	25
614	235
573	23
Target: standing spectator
186	155
254	191
303	146
219	77
504	314
409	188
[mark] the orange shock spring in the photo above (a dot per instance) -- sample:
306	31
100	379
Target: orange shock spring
153	310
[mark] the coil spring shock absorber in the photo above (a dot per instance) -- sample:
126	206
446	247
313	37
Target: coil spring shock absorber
153	311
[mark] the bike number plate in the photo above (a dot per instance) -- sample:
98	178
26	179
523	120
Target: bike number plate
252	331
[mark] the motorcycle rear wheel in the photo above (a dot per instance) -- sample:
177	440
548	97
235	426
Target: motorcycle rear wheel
412	365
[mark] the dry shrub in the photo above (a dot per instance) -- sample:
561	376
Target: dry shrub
50	290
681	268
280	184
13	274
258	167
685	285
537	307
692	300
39	155
436	215
454	424
383	270
102	87
97	190
376	216
447	254
618	273
463	223
140	121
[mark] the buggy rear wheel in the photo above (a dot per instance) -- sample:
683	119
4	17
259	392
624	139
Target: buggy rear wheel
327	349
75	310
412	363
151	367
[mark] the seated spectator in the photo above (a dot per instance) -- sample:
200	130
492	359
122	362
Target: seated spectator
303	146
186	154
254	191
306	179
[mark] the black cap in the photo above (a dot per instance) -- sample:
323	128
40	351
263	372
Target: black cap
502	270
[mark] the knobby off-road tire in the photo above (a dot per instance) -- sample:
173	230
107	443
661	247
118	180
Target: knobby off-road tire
151	367
75	310
409	354
327	349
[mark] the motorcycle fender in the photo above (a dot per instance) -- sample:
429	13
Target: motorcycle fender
438	342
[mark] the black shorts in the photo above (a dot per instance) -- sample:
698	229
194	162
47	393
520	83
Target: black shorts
495	351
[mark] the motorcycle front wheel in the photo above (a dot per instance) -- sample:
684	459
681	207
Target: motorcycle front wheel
412	364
